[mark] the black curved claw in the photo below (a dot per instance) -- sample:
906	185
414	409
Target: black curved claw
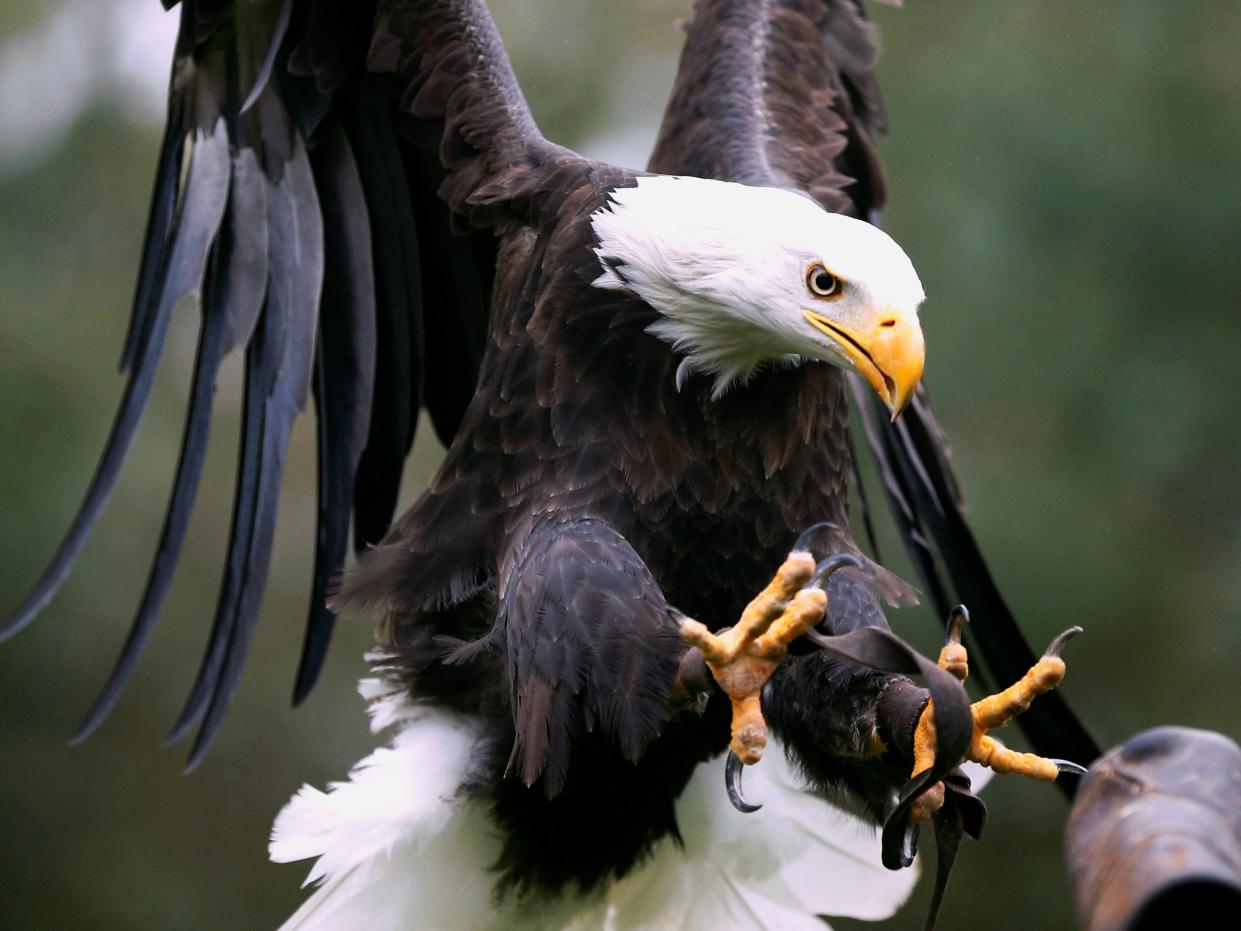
803	542
909	844
957	618
676	614
732	782
824	570
1057	645
1067	767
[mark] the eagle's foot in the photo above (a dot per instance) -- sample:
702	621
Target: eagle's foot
990	713
743	657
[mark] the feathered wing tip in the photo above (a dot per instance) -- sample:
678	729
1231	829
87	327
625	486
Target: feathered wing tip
399	847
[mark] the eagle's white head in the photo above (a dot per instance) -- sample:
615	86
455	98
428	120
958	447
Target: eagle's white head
746	276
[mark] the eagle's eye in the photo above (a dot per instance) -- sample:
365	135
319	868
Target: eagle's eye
822	283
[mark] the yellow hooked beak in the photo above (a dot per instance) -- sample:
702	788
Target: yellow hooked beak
889	355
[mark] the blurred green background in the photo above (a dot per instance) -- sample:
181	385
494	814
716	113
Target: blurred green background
1067	180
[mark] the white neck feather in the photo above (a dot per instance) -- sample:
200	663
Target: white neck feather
675	243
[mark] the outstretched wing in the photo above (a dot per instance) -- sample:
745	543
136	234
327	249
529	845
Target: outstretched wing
316	154
778	93
783	93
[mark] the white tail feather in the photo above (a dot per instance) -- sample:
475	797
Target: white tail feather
400	847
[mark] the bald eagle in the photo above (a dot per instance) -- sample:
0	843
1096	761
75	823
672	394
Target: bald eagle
642	381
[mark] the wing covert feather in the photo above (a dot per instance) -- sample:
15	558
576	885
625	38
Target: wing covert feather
590	646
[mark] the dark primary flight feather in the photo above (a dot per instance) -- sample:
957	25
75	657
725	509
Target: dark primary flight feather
292	225
318	223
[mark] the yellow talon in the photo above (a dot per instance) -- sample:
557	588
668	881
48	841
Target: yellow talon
989	713
743	657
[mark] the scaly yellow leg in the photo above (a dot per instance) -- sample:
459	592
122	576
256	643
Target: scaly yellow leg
743	657
989	713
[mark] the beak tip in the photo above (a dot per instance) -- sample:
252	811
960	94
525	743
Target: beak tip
898	401
890	357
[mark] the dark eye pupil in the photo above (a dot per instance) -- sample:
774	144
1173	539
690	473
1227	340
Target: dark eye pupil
824	282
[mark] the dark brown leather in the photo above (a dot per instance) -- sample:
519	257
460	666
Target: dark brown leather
1154	838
